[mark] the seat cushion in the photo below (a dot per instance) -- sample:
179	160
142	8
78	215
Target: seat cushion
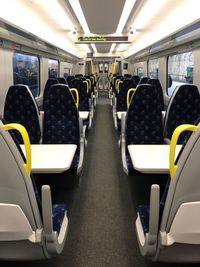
58	213
144	217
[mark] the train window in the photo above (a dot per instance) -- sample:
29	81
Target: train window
153	68
180	70
53	68
140	72
26	71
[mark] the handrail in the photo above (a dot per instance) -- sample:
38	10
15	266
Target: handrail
173	143
89	81
77	96
20	128
128	96
87	85
118	85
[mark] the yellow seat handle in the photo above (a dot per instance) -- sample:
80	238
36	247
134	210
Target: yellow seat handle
128	100
20	128
118	85
77	96
92	79
87	85
173	143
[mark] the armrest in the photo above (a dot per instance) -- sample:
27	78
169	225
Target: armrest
122	142
47	213
82	144
154	211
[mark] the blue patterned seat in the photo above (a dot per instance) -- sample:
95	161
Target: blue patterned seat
156	83
143	123
48	84
61	80
61	121
127	76
84	101
136	79
144	80
183	108
69	79
20	107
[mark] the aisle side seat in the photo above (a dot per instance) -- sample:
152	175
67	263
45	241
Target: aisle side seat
142	124
61	124
168	230
29	229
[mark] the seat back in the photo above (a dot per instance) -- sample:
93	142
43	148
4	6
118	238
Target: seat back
121	96
136	79
48	84
144	117
127	76
144	80
61	80
69	79
20	107
83	95
61	119
156	83
183	108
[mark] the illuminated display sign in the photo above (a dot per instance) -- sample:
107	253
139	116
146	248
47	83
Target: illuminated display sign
103	39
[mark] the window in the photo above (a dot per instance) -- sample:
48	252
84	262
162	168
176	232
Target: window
26	71
53	68
180	70
153	71
140	72
125	66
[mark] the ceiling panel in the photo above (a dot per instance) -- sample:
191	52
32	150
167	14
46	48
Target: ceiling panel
102	16
103	48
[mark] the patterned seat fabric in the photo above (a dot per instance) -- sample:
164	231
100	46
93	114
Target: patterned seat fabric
127	76
61	120
69	79
184	107
144	118
20	107
83	95
58	213
136	79
121	96
144	80
156	83
48	84
61	80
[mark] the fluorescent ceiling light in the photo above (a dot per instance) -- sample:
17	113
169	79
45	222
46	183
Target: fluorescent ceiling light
112	47
75	4
55	10
167	17
128	6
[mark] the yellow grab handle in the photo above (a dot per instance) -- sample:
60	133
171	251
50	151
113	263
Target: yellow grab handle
118	86
128	96
20	128
174	140
87	85
77	96
92	79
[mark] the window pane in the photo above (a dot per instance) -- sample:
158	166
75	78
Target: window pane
153	68
26	71
180	70
140	72
53	68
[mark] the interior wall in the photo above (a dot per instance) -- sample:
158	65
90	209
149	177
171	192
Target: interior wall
79	68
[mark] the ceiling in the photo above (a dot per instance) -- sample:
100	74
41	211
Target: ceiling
58	22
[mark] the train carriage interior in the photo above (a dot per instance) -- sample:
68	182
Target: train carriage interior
99	133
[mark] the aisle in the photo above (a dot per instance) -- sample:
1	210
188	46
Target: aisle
102	216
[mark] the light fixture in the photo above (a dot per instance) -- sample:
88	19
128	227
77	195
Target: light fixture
75	4
128	6
112	47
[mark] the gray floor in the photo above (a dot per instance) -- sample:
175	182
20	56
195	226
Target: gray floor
102	213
